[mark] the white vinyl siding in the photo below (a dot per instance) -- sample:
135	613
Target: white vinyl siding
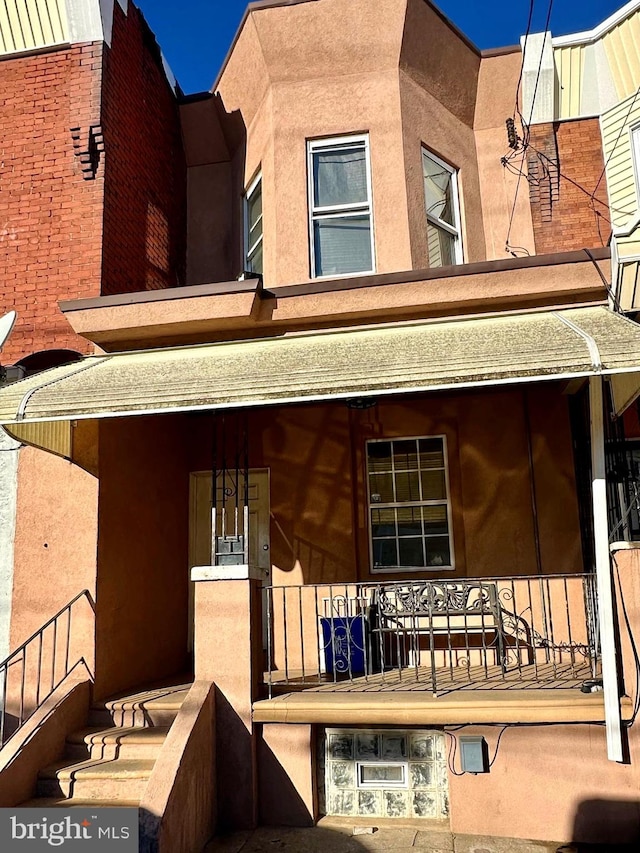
340	215
27	25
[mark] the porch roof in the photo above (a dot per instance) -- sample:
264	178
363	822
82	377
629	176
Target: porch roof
356	362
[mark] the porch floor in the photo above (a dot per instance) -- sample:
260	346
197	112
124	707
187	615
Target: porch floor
539	676
547	694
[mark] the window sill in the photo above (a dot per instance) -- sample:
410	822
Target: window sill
341	275
396	570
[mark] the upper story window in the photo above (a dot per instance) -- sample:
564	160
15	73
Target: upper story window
340	216
409	507
253	227
443	211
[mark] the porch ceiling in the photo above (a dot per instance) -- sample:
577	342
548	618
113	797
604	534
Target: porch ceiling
359	362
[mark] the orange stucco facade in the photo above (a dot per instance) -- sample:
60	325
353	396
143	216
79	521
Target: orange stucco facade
117	517
341	62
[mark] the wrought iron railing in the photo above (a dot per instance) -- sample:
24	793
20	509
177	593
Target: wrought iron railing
434	635
35	669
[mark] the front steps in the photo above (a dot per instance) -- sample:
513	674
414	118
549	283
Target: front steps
109	763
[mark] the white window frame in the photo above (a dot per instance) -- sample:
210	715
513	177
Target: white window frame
251	249
634	134
339	210
377	570
455	232
379	784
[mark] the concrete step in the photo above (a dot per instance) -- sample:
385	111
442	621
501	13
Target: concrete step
76	803
145	709
122	778
116	742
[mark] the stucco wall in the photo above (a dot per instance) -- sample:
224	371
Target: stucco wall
142	583
315	455
549	782
327	69
319	532
55	544
8	495
496	87
555	782
425	121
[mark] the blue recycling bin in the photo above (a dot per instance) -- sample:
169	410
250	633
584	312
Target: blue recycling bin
345	640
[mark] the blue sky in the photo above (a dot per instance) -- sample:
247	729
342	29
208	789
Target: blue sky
195	34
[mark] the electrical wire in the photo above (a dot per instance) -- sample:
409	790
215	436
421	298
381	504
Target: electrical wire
608	287
565	177
451	757
525	128
634	648
535	88
516	108
495	754
623	127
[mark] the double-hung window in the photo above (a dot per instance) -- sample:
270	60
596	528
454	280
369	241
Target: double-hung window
340	216
253	227
443	211
409	506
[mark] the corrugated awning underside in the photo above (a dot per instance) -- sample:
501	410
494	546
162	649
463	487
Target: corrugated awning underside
409	357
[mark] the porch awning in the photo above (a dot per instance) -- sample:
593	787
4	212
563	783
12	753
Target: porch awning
409	357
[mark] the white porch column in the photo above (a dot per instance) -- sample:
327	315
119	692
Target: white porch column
603	573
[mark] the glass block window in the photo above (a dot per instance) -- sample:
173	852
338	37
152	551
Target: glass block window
253	227
443	212
383	774
340	217
409	507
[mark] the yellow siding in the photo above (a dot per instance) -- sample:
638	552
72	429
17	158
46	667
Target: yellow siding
569	63
619	158
628	291
622	47
54	437
31	24
629	246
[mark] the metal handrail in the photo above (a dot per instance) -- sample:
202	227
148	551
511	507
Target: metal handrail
29	704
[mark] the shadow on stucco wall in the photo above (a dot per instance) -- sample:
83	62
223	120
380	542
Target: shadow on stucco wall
612	823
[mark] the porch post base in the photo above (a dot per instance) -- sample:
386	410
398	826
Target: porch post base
227	573
226	654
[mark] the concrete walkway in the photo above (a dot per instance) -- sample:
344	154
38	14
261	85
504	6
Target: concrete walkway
333	836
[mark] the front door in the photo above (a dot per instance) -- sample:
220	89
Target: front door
200	501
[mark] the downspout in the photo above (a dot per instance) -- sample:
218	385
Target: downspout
604	586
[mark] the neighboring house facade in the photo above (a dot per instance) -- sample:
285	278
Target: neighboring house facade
385	326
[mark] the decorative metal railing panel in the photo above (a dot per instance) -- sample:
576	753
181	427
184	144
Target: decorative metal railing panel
230	495
434	635
36	668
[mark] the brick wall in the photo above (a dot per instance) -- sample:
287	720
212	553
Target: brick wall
565	163
145	191
50	216
92	181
